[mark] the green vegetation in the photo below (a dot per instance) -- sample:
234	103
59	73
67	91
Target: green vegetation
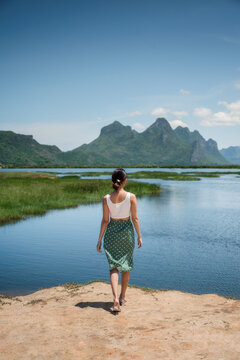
33	193
21	149
25	193
94	173
166	175
212	173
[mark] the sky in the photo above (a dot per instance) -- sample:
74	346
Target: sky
70	67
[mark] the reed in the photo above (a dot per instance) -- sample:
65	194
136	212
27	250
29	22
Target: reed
165	175
24	194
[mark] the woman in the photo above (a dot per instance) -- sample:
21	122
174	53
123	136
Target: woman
119	241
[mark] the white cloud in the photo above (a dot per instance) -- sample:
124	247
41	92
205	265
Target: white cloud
176	123
234	107
202	112
180	113
220	118
160	111
237	85
138	126
184	92
66	135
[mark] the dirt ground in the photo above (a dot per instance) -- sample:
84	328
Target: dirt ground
76	323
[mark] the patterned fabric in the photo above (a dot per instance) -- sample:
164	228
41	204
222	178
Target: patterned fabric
119	243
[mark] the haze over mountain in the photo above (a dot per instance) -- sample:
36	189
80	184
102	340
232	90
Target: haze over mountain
232	154
117	145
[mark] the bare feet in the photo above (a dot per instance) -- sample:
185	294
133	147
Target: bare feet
116	306
122	300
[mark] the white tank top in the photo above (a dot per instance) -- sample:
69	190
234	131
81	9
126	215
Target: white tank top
119	210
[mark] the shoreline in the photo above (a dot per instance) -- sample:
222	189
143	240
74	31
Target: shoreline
76	322
75	286
139	166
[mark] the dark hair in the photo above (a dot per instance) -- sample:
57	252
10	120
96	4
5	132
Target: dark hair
118	176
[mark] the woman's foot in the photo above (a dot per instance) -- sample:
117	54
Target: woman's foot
122	300
116	305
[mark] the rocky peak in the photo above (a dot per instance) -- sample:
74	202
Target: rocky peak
161	124
212	144
116	126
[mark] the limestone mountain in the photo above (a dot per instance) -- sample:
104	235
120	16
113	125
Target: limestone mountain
159	144
118	144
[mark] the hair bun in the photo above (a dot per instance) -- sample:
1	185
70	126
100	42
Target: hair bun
118	177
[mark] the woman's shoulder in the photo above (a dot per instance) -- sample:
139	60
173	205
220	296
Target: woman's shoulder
132	196
105	197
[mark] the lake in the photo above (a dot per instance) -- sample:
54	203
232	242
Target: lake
191	240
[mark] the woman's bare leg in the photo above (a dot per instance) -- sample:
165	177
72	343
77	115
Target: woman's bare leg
114	274
125	280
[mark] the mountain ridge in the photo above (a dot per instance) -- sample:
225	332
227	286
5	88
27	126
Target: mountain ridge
158	144
232	154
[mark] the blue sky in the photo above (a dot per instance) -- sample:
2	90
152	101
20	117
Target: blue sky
70	67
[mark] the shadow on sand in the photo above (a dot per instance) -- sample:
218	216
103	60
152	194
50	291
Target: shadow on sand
97	305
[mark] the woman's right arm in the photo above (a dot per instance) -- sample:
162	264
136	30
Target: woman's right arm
104	223
135	219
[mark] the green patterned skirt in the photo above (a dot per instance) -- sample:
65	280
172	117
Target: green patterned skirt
119	243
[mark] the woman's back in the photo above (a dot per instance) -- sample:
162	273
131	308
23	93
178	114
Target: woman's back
121	209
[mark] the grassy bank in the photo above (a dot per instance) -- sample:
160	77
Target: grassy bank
188	176
166	175
33	193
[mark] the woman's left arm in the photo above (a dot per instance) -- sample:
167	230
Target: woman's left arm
104	223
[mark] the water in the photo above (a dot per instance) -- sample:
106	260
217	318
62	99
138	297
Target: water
191	241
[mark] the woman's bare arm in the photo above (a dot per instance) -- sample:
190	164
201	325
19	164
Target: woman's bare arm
104	223
135	219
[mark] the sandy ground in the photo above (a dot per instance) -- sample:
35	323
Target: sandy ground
67	322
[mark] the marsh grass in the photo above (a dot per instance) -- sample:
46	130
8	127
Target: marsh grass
25	194
167	175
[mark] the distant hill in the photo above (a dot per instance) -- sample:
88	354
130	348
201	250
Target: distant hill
118	144
18	149
232	153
